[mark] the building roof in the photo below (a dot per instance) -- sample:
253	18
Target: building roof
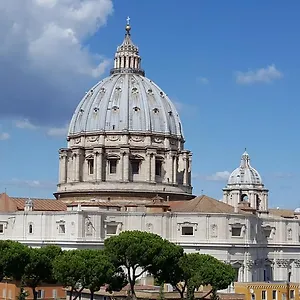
126	101
245	174
284	213
201	204
12	204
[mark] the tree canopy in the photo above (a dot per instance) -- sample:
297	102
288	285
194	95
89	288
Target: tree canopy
194	270
139	252
123	260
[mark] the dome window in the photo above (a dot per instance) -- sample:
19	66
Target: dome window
136	108
161	93
92	91
81	110
115	108
155	110
118	88
102	90
170	113
134	89
150	91
96	109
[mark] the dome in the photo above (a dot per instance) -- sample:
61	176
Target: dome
126	101
245	174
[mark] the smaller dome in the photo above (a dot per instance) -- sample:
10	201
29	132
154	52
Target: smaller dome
245	174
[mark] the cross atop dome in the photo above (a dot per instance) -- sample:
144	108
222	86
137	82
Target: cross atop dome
127	58
128	27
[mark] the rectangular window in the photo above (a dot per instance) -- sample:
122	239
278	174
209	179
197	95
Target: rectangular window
54	293
187	230
135	166
236	231
113	166
111	229
274	295
62	228
292	294
158	168
91	166
1	228
263	295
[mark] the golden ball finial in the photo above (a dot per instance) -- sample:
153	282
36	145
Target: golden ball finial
128	27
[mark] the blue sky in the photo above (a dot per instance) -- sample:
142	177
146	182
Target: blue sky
231	67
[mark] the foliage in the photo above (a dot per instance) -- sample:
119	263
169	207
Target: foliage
194	270
23	294
40	266
138	252
124	259
13	259
90	269
68	269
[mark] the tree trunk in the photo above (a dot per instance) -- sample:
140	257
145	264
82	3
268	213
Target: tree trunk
71	294
34	292
78	293
190	293
208	293
92	295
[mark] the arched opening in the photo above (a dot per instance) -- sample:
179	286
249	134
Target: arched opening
244	198
30	228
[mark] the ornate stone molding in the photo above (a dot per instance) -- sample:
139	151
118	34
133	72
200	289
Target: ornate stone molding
187	223
249	264
297	263
283	263
214	230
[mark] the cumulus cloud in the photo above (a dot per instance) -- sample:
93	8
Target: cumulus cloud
24	124
45	61
4	136
218	176
58	131
263	75
202	80
32	183
50	131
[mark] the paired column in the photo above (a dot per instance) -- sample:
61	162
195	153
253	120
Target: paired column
125	158
63	167
186	169
98	164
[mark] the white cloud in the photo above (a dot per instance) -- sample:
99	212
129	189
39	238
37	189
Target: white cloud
263	75
202	80
24	124
58	131
32	183
45	59
51	32
4	136
218	176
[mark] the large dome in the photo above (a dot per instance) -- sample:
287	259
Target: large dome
245	174
126	102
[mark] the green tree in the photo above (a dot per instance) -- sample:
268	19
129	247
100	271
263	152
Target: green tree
193	270
138	252
69	269
98	271
13	259
40	267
